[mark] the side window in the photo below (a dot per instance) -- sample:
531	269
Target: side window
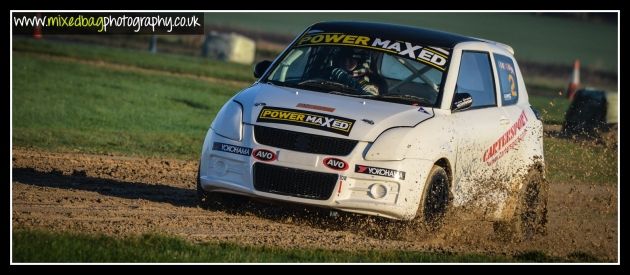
292	67
475	78
297	66
507	79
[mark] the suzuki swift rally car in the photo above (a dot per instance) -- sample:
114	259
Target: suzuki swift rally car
386	120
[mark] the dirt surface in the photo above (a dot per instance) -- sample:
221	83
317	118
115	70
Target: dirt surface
123	195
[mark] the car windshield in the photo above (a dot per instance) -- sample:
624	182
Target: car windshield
361	72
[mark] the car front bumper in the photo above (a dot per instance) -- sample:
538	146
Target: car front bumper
304	178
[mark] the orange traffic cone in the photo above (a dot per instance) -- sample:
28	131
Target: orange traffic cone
37	32
574	84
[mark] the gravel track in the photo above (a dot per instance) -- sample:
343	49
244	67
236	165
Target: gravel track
126	195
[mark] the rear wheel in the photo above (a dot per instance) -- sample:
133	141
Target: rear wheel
435	199
530	216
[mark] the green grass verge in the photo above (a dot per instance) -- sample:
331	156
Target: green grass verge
143	59
552	108
574	162
542	39
39	246
61	105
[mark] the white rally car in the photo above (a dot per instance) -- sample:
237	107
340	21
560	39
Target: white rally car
386	120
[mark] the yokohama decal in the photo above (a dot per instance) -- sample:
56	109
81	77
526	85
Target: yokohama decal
335	164
218	146
377	171
264	155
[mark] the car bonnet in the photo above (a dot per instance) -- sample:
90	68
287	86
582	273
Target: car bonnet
325	114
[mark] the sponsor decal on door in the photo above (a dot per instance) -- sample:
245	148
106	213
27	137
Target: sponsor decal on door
506	141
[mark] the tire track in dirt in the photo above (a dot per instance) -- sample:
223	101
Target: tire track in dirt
126	195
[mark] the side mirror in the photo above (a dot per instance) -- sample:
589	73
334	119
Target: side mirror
261	67
461	101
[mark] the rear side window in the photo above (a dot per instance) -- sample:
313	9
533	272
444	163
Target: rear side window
507	79
475	78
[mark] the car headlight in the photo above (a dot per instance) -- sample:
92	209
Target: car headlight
229	121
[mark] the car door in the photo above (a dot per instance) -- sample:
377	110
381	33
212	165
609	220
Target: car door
477	129
508	158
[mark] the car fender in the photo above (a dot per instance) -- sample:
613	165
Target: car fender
432	139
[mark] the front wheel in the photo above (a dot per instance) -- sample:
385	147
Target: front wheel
435	199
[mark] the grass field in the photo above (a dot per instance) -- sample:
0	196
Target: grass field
571	161
64	104
552	108
77	107
39	246
535	38
142	59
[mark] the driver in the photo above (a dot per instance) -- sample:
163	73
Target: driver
353	69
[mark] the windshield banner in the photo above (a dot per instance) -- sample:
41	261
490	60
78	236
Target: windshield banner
433	56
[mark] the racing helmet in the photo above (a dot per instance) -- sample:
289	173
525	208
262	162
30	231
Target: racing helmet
359	57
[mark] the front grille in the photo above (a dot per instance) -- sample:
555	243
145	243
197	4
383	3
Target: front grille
302	142
293	182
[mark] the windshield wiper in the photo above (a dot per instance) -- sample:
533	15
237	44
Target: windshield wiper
408	98
283	84
337	88
369	96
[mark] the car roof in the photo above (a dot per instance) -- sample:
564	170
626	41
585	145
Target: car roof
401	32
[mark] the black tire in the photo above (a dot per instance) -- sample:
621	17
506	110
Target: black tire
530	216
436	199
